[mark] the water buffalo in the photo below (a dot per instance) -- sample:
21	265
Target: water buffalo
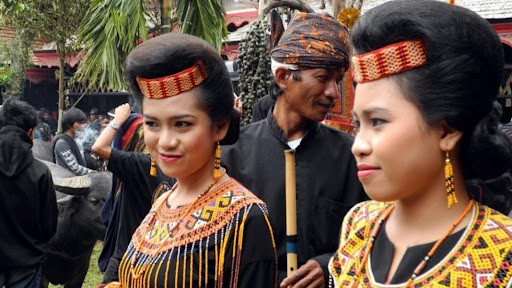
43	150
80	199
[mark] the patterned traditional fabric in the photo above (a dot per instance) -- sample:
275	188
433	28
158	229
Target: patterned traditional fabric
175	84
389	60
313	41
193	244
481	258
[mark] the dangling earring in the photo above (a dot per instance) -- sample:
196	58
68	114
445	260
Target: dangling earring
152	171
216	169
448	178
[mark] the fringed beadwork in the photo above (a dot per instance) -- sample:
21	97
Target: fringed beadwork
152	171
181	251
216	169
449	181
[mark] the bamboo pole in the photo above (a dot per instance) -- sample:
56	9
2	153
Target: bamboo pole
291	212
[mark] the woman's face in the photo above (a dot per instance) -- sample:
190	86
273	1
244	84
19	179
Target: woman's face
398	154
180	135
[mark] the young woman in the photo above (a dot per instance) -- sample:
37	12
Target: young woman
65	150
427	77
208	230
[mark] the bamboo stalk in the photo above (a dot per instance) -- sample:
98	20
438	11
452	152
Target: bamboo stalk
291	212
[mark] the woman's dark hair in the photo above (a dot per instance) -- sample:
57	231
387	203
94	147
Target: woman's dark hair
174	52
460	81
71	116
19	113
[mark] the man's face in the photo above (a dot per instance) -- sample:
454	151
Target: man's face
314	94
46	116
92	116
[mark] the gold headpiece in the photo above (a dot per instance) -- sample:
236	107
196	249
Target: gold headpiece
388	60
175	84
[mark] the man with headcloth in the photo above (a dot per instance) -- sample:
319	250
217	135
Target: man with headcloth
308	64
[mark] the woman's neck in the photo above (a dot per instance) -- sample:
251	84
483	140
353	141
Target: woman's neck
424	220
193	186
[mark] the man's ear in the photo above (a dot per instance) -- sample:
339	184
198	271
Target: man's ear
221	129
449	137
31	133
281	76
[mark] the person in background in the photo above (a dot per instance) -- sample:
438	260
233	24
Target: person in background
308	63
208	230
47	118
426	119
28	205
103	121
42	130
122	144
94	121
65	149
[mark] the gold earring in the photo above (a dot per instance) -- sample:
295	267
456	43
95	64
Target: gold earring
152	171
448	178
216	169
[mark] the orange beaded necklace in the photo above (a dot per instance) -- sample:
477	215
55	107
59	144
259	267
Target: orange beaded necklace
423	263
149	224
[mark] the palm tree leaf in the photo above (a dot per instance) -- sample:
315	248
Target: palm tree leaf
111	28
203	18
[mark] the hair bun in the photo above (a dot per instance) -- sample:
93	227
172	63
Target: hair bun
233	129
489	149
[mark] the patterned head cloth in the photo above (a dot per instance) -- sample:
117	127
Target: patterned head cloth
313	41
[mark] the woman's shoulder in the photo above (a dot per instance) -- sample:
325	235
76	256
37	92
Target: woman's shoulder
362	215
233	188
495	222
368	210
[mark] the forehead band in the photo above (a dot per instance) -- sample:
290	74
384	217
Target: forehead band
175	84
388	60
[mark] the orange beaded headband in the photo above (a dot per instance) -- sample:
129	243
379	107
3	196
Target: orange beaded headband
172	85
388	60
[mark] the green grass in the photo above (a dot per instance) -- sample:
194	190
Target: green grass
94	276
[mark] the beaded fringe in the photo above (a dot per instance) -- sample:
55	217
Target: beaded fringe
146	266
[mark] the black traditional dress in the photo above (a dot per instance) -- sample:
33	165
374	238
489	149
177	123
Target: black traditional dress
224	239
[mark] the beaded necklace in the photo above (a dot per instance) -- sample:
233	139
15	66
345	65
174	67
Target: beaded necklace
133	260
423	263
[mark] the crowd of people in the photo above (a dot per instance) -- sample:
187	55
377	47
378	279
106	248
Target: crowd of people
417	197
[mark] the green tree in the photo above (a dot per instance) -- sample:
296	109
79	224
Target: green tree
112	28
14	54
57	21
54	20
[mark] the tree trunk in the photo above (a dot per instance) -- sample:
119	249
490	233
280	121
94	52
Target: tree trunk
337	6
166	27
62	54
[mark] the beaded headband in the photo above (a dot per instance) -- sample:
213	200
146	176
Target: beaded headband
388	60
175	84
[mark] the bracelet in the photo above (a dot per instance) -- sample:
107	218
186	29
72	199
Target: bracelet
113	125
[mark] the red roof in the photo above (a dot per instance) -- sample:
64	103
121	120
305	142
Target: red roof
504	30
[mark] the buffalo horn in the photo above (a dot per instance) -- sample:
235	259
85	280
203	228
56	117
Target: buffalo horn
65	199
77	185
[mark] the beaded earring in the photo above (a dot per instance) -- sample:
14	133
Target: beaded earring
216	170
152	171
448	178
